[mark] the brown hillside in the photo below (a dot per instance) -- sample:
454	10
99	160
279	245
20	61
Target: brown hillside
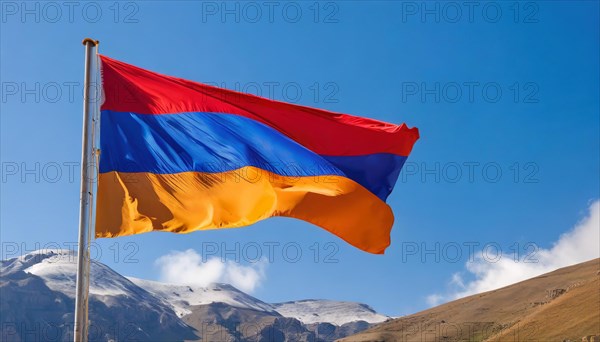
564	304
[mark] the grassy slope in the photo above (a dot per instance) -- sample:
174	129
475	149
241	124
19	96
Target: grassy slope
524	311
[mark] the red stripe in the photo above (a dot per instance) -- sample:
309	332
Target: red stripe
128	88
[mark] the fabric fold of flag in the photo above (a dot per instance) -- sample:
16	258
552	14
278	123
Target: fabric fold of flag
181	156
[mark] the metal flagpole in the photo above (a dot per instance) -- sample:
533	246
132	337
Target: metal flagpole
85	200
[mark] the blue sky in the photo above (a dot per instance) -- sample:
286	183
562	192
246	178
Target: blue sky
505	95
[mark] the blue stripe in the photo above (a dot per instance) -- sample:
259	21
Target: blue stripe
376	172
215	142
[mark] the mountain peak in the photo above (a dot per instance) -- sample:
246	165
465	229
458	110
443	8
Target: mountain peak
182	297
311	311
56	270
25	261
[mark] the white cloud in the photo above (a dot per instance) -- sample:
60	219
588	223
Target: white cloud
186	267
580	244
434	299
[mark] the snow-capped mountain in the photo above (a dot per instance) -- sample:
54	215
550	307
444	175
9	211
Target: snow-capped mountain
58	268
319	311
38	290
182	297
37	303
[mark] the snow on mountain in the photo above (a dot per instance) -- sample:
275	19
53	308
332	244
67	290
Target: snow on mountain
181	297
10	266
38	291
58	267
319	311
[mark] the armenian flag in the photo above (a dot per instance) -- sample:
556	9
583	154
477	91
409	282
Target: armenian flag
181	156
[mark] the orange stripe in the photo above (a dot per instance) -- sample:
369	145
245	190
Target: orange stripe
133	203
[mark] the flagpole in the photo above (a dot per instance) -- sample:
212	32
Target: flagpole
85	200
